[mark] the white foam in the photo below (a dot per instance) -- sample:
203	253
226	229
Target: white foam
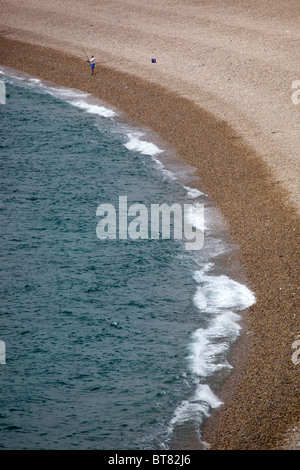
142	146
193	193
66	93
195	217
205	395
135	143
79	100
34	80
71	96
217	297
221	292
209	346
93	108
197	407
9	75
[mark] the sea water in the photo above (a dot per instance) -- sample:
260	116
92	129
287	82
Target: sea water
109	344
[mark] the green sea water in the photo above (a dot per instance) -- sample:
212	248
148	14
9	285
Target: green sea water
110	344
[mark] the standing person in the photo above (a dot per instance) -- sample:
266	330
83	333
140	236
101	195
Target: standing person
92	62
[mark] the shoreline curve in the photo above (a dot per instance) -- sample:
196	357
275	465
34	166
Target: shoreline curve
261	395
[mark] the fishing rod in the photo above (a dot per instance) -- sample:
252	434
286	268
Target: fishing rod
87	58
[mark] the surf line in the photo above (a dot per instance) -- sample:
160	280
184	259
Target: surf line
186	223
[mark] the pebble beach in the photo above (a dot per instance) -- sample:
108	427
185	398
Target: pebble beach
219	93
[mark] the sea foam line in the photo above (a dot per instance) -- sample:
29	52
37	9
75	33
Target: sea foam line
218	298
93	108
135	143
215	295
142	146
80	99
76	98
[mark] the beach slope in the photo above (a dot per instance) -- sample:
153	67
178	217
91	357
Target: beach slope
221	94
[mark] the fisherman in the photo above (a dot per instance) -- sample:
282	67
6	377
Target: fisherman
92	62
